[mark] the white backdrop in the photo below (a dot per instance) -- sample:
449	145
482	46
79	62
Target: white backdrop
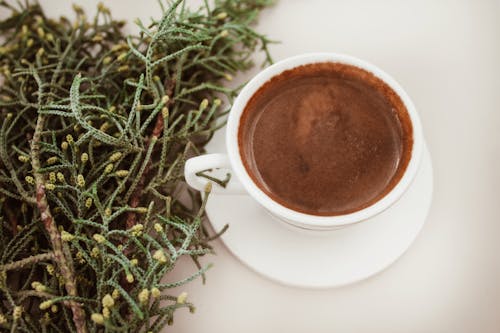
446	54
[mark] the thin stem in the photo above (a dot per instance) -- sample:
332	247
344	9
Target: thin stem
27	261
54	234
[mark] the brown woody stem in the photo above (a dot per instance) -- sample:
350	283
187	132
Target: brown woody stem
26	261
157	130
54	234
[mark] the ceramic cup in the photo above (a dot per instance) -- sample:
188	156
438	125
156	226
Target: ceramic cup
241	182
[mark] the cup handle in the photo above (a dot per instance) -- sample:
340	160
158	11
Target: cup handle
198	164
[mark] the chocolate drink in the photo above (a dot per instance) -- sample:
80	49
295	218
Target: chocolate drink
325	139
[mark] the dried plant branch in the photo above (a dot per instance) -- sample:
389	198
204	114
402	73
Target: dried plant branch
63	262
27	261
95	127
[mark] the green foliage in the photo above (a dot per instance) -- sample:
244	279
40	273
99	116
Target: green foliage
95	128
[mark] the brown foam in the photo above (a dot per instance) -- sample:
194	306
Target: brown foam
325	139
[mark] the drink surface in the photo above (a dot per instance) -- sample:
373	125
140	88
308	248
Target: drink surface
325	139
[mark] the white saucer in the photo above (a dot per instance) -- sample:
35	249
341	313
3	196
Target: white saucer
306	260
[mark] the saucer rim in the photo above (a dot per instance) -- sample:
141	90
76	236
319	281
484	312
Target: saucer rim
426	158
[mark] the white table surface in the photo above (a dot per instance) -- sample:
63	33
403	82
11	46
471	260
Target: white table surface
446	54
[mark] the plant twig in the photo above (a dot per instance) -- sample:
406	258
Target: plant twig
27	261
51	227
157	130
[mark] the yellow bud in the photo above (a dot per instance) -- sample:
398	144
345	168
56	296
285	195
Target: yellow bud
123	68
104	127
158	227
80	181
45	305
60	177
221	16
137	229
97	318
24	29
50	37
181	299
95	252
97	38
143	296
142	210
134	262
52	177
204	104
40	32
54	308
99	238
50	269
52	160
115	294
3	320
106	313
38	286
228	77
107	60
40	52
122	173
18	311
84	158
164	112
107	212
29	180
23	158
66	236
165	99
115	157
208	187
69	138
88	202
130	278
117	47
108	168
77	9
79	256
224	33
112	109
29	42
122	56
159	255
64	145
155	292
108	301
50	187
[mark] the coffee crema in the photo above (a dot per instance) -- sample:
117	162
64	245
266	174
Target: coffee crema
325	139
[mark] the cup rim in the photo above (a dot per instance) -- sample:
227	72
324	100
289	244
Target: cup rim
308	220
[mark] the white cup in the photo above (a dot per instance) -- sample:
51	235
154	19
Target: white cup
241	182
